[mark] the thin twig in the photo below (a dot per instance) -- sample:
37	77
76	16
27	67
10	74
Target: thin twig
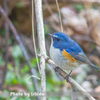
34	40
21	46
41	40
34	36
59	16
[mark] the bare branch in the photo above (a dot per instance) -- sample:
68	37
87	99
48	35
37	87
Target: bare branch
40	29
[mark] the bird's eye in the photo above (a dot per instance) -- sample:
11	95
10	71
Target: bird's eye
58	39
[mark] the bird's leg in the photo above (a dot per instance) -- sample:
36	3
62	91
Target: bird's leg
67	77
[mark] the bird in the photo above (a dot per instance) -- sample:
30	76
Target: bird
66	53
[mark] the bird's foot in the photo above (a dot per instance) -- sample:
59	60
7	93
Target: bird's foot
67	77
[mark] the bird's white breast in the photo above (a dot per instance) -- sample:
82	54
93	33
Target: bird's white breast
59	60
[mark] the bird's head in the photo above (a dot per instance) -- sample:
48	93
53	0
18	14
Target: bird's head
59	40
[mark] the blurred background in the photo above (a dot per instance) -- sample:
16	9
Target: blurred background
81	22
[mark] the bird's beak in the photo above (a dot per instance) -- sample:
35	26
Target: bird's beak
50	35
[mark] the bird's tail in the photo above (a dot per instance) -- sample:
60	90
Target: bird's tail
95	67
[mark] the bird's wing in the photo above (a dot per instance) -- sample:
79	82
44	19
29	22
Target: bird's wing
74	52
81	57
73	56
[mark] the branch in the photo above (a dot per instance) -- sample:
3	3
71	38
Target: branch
21	46
41	40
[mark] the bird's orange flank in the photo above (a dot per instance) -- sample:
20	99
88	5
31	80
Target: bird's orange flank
68	56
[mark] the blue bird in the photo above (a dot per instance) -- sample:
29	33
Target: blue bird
66	53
